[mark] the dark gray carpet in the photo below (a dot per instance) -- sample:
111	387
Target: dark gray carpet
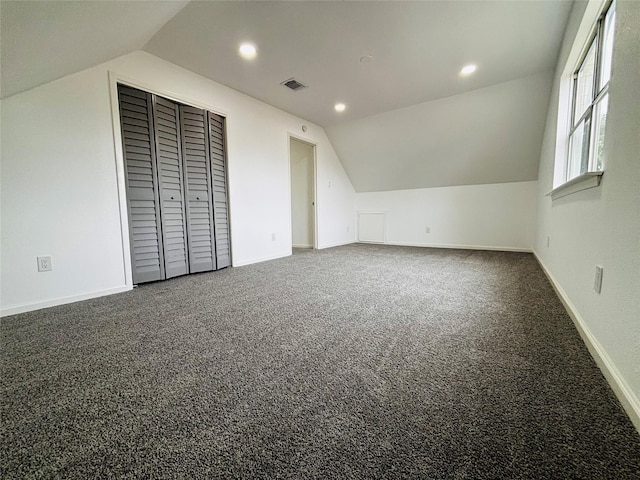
353	362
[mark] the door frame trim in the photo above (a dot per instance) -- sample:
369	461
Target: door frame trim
314	145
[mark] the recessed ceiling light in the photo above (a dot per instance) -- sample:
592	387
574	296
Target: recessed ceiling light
468	69
247	50
340	107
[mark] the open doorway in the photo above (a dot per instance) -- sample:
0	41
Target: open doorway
302	165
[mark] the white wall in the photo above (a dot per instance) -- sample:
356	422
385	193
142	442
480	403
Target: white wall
601	226
302	166
495	216
60	181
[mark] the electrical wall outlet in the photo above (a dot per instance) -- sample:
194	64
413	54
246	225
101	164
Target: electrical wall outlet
597	283
273	237
347	228
44	263
548	241
427	230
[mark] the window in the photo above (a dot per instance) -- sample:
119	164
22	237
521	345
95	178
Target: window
590	100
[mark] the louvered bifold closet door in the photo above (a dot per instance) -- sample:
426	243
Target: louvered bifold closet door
197	179
136	121
168	152
219	183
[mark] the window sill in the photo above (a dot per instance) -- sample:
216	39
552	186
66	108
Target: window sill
581	182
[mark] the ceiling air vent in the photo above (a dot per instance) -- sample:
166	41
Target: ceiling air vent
293	84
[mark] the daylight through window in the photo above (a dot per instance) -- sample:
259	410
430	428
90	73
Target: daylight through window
591	100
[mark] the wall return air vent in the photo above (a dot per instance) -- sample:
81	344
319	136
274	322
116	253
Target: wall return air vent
293	84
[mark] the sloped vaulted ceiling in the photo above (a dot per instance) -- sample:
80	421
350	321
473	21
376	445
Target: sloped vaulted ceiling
411	121
489	135
45	40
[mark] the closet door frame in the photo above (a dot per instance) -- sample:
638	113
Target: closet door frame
114	79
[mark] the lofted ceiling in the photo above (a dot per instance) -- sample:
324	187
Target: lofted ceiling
390	136
489	135
42	41
417	49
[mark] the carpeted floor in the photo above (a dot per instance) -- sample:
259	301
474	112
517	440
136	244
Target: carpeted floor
357	362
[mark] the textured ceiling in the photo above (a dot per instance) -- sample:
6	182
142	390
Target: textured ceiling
411	120
42	41
490	135
418	49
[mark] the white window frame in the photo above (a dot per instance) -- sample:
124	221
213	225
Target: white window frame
591	30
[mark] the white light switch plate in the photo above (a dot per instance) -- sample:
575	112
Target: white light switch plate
597	283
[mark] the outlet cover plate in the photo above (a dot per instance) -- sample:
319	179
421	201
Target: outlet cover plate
44	263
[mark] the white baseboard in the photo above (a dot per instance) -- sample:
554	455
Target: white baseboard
28	307
457	247
625	394
259	260
339	244
301	246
